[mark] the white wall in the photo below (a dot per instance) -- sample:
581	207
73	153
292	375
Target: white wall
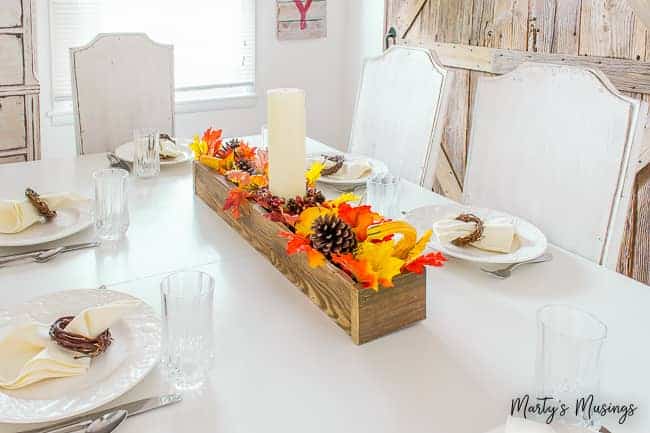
328	69
365	32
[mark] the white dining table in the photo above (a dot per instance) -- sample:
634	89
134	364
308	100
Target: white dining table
283	366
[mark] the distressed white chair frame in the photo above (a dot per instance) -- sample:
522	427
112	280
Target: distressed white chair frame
121	82
399	112
559	146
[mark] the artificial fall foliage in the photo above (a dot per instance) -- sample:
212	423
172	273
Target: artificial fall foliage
370	248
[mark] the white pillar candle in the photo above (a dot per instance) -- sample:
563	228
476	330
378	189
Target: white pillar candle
286	129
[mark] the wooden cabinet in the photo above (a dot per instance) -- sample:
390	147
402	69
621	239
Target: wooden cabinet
19	87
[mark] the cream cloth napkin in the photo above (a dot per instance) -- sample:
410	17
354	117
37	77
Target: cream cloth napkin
351	170
498	233
18	215
168	149
29	355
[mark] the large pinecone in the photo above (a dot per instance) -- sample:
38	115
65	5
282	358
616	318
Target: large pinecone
332	236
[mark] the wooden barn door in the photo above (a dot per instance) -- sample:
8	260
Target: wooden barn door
494	35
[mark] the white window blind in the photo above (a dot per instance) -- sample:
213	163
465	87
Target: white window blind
214	41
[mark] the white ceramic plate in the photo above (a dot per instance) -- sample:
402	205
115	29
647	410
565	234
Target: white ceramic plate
378	167
67	222
125	152
134	352
532	242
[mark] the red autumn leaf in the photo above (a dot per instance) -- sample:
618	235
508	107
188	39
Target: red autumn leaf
361	270
359	218
234	201
301	244
431	259
281	217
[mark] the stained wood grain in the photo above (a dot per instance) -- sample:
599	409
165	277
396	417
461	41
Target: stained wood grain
412	14
554	26
641	261
363	314
627	75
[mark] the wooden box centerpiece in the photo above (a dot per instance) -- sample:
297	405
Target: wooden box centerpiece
363	313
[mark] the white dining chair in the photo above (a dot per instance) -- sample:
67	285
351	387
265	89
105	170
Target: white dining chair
120	82
558	146
398	117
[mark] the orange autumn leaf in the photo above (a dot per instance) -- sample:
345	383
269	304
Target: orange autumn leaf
359	218
213	139
431	259
301	244
234	201
361	270
245	151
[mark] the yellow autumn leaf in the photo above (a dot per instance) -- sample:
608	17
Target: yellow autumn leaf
307	218
381	258
419	246
343	198
198	147
314	172
405	244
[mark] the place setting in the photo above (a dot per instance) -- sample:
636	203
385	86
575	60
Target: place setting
150	150
487	237
71	352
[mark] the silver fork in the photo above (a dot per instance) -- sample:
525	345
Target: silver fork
507	271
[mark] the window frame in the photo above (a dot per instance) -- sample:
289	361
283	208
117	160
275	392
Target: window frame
236	95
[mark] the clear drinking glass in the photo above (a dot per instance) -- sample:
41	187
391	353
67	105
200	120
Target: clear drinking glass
111	204
146	152
569	346
382	194
188	339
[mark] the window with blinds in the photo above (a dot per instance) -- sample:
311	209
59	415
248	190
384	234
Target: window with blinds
214	41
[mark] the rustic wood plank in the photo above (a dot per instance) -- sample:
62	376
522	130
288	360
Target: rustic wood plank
641	262
554	26
511	24
608	29
412	15
363	314
483	32
642	10
447	180
627	75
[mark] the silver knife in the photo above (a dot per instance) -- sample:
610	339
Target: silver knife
133	408
14	257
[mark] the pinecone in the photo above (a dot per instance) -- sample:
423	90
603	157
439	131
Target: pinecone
333	236
245	165
230	145
313	198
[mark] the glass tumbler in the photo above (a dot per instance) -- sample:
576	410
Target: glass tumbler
146	152
382	194
188	339
111	204
569	345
